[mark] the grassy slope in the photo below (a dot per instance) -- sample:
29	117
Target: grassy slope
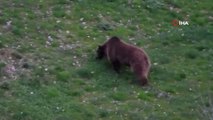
76	86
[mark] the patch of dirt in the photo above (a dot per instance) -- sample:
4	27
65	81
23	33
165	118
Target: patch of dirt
12	65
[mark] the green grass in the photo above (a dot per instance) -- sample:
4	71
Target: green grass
64	80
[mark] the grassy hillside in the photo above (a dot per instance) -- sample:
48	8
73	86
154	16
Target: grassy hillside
48	69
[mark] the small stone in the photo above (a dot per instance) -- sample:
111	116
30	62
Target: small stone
50	38
9	23
162	95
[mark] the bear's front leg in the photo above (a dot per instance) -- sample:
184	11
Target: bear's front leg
116	66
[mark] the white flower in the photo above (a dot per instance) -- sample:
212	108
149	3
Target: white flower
67	31
81	19
155	63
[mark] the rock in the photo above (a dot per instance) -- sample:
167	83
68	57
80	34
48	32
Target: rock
163	95
9	70
8	26
105	26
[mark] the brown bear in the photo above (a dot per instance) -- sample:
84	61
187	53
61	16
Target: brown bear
120	53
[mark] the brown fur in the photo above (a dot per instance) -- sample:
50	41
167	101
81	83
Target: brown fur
120	53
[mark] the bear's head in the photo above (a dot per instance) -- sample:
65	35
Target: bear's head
100	52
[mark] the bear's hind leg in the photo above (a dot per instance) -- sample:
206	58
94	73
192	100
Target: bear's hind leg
140	73
143	81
